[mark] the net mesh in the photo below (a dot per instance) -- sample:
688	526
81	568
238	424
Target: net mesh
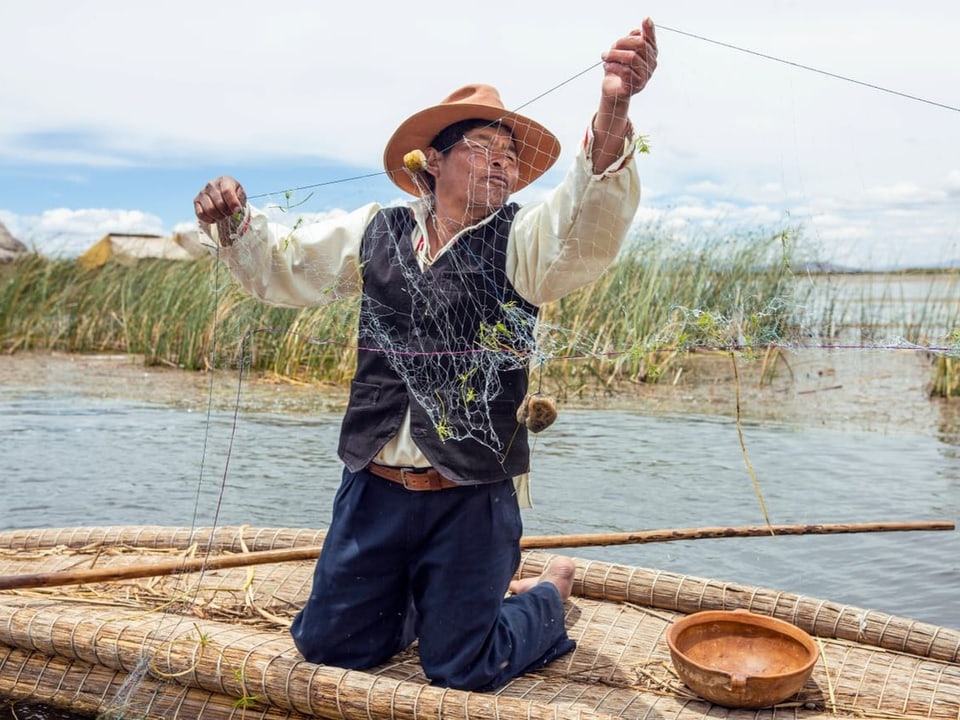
456	295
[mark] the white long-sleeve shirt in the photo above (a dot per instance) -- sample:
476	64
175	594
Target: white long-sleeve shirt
555	246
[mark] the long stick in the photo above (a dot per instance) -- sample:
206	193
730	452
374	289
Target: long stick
217	562
651	536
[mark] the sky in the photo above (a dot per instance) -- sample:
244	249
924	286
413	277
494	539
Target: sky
114	114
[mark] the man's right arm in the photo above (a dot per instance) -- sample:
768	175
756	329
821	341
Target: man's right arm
308	265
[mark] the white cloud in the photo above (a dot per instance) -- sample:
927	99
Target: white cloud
67	233
952	183
17	153
734	137
902	194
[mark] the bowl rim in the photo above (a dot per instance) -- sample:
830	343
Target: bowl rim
745	617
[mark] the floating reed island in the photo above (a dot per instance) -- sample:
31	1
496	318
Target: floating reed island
214	644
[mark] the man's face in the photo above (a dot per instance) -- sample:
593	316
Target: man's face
484	167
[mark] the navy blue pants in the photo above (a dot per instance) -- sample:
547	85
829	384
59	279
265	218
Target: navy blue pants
399	565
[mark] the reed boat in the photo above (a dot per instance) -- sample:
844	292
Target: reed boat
213	644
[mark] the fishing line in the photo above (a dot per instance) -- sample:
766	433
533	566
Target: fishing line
214	339
695	36
208	420
318	185
743	446
120	703
808	68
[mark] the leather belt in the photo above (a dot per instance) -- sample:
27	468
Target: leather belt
412	478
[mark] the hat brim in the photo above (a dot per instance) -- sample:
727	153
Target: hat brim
537	147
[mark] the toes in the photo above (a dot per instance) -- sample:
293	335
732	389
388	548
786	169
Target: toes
521	586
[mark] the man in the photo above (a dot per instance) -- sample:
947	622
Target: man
424	539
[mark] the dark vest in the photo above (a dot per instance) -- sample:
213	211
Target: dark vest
445	335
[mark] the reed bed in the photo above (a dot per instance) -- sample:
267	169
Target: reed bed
284	584
656	302
660	302
97	691
183	314
946	376
946	373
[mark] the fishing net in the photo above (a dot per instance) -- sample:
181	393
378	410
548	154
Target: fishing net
538	297
455	312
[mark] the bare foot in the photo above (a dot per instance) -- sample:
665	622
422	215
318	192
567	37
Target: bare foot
560	572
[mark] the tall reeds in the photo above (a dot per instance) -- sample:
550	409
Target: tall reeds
662	300
903	309
184	314
946	370
658	301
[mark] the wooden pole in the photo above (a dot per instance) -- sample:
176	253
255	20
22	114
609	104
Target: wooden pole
155	569
651	536
217	562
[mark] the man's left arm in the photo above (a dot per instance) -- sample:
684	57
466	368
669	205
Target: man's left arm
571	238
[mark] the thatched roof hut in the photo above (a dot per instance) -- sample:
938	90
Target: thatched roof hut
128	248
10	247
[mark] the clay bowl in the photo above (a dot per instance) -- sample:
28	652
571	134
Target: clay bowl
739	659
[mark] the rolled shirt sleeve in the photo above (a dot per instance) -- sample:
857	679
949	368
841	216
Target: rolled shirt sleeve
569	240
306	266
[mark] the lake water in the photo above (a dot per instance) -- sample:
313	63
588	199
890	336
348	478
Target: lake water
848	437
889	305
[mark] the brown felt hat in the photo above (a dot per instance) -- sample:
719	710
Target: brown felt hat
537	147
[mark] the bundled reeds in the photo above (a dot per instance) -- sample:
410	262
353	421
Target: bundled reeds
201	642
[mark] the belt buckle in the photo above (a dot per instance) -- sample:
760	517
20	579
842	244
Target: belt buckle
412	471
